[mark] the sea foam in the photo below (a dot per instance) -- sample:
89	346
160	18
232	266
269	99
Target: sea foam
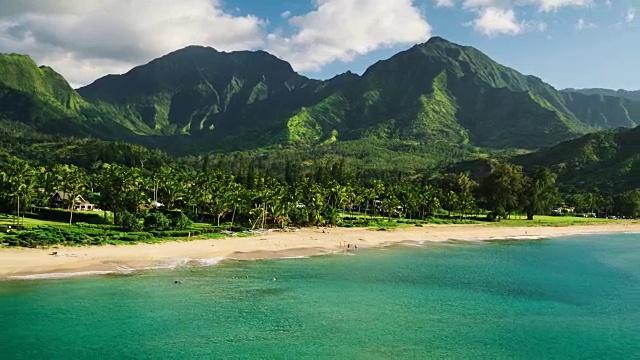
51	276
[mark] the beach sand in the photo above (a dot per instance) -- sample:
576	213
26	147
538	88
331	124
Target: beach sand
21	263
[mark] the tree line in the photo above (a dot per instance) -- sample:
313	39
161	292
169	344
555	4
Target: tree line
250	198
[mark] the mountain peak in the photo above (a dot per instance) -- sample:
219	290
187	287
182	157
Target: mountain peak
439	40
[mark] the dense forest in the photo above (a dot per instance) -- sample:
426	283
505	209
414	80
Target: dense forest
144	194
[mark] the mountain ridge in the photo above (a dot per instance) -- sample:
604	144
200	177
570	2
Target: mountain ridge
628	94
433	95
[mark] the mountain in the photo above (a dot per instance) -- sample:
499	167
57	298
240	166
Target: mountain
434	94
437	101
225	98
608	160
41	98
37	95
631	95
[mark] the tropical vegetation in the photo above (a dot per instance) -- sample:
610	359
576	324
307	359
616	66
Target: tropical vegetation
201	141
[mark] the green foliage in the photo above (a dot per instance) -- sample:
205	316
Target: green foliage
502	189
128	221
606	161
628	204
435	103
317	123
539	193
155	220
59	215
181	222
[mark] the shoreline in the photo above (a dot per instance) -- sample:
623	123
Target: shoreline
31	264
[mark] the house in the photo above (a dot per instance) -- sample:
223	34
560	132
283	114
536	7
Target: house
61	200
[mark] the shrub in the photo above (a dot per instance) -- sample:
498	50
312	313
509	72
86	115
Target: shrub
128	221
182	222
98	218
156	220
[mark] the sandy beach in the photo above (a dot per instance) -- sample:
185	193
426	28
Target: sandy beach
39	263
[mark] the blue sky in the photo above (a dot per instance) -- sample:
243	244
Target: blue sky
568	43
579	46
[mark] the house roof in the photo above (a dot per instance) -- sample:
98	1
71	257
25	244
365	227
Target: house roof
66	196
62	195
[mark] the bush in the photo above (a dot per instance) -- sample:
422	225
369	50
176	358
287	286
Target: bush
58	215
182	222
128	221
156	220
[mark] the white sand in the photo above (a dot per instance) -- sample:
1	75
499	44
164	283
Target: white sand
306	242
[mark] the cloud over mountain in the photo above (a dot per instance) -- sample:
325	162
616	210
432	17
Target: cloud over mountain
85	40
339	30
74	36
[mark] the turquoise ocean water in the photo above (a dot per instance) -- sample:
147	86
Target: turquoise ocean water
571	298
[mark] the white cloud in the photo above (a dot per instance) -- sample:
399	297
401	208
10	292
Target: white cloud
85	40
493	21
540	26
498	17
340	30
630	16
582	24
445	3
552	5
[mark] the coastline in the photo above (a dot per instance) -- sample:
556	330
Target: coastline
20	263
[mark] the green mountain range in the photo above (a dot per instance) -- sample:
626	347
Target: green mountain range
608	160
631	95
437	100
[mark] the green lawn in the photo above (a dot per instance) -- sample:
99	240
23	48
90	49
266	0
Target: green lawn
560	221
6	220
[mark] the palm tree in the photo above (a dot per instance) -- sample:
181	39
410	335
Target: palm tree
72	183
539	191
18	177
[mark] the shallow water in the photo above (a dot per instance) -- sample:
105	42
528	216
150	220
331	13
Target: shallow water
576	297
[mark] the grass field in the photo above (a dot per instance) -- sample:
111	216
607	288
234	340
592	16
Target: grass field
516	220
560	221
9	220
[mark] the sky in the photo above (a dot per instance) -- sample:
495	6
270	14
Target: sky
567	43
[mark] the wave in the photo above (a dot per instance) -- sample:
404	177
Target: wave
122	269
185	262
211	261
52	276
175	263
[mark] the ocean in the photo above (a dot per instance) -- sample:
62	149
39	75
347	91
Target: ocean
567	298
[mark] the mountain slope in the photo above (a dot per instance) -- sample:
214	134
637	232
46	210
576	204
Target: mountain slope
607	160
43	99
630	95
604	112
478	100
225	97
37	95
435	99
